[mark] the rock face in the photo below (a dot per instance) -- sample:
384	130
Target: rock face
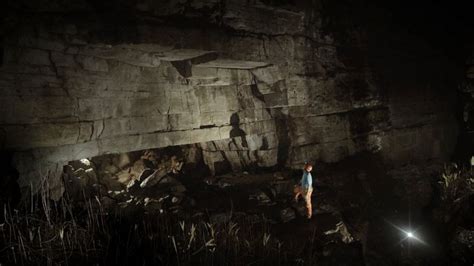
466	113
262	85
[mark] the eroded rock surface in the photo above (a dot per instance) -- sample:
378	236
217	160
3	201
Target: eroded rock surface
277	88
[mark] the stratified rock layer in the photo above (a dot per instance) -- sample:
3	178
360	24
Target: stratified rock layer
256	85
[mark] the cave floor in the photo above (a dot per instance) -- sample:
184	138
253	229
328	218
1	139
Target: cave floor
353	212
254	199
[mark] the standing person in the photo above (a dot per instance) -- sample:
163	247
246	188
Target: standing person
305	188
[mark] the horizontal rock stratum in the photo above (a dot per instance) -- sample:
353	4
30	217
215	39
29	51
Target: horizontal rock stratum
261	85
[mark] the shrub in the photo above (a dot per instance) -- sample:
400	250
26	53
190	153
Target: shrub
456	184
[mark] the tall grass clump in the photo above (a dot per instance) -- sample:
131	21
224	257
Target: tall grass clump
456	186
45	232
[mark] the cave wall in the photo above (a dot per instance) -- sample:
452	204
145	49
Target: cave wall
80	101
258	84
465	144
421	92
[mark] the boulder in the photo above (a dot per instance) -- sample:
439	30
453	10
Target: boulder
80	182
178	188
326	208
139	166
341	228
170	180
176	165
133	186
153	205
153	179
109	169
223	183
151	156
122	160
91	176
261	197
287	215
146	173
176	200
82	163
124	177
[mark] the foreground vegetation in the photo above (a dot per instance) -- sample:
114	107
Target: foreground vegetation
71	232
62	233
456	187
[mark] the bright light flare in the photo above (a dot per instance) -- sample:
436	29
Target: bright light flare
408	234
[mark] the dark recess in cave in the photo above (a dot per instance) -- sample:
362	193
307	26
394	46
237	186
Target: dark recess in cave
1	50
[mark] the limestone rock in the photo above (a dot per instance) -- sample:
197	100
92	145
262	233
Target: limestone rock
67	93
81	181
150	156
153	179
124	176
91	63
341	228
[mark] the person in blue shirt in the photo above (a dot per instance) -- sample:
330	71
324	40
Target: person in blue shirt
305	188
